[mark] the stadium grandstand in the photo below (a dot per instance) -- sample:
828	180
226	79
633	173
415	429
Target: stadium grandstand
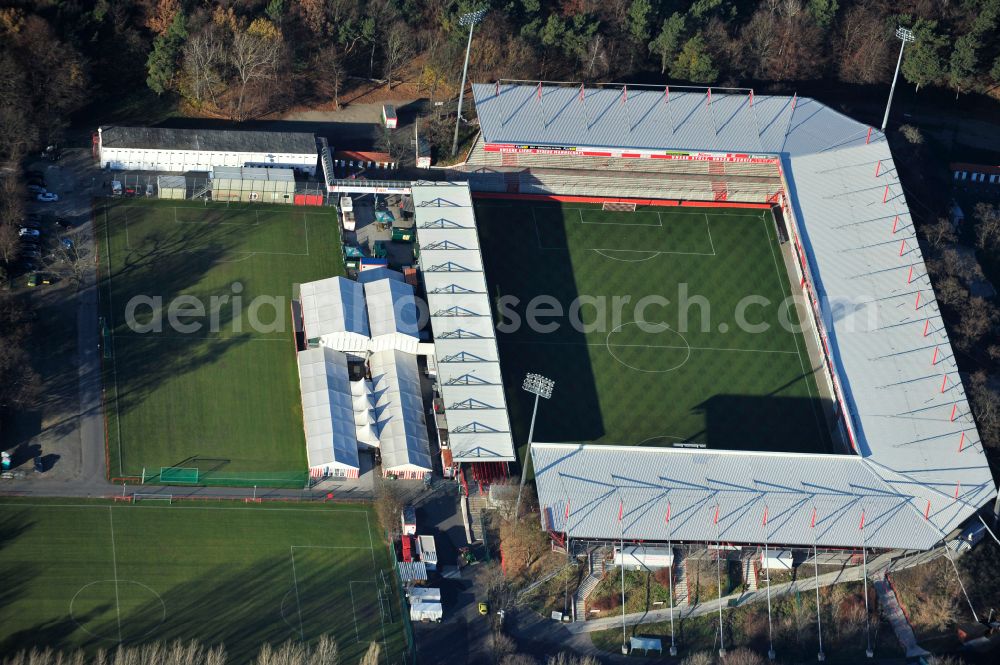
917	472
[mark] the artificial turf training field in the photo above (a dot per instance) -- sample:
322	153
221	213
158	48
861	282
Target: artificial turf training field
93	575
708	383
223	398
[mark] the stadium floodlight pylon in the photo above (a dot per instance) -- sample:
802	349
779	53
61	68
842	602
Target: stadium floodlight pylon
539	386
471	19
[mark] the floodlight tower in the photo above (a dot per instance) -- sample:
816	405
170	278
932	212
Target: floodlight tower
539	386
904	35
471	19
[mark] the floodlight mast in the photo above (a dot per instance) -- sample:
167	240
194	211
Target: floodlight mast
471	19
539	386
904	35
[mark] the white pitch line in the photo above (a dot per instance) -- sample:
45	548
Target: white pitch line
114	563
175	506
708	227
652	346
354	611
298	600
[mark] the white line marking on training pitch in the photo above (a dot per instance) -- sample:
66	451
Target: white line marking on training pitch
298	600
114	563
354	607
649	346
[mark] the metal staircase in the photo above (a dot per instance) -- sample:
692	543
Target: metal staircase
681	579
586	587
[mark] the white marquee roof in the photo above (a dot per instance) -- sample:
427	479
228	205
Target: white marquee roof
920	462
464	339
392	308
327	409
399	411
333	305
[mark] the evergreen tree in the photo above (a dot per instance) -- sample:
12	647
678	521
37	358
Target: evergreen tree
694	63
161	67
668	41
963	63
923	63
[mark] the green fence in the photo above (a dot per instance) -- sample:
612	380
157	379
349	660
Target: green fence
189	476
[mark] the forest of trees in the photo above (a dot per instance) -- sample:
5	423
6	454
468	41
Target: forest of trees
240	59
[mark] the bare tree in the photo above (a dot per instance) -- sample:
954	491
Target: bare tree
938	234
373	655
254	56
567	658
985	407
398	48
518	659
388	505
72	261
10	243
978	319
204	54
699	658
987	227
501	646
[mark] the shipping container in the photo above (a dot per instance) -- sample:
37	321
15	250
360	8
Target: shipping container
409	521
389	119
427	551
426	612
644	558
776	560
419	594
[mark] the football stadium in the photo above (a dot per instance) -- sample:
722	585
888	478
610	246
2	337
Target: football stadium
838	422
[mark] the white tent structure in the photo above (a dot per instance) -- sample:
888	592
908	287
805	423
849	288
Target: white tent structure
393	316
334	316
399	414
328	414
464	339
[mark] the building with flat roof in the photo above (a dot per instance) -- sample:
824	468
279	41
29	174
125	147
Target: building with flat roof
182	150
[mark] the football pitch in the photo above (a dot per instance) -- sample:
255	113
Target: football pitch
674	326
94	575
214	387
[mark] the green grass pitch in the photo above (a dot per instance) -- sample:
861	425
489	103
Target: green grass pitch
223	398
661	383
93	575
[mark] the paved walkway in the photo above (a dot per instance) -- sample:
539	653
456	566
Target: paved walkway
708	607
900	625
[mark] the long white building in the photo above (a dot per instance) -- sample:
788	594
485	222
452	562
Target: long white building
183	150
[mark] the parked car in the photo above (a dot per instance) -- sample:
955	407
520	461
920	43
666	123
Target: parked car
66	242
25	232
47	197
36	186
63	223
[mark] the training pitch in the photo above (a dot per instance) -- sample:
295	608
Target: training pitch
220	392
646	378
94	575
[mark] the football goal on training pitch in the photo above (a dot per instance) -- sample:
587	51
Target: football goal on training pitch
180	475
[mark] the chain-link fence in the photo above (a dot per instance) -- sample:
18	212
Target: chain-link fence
174	186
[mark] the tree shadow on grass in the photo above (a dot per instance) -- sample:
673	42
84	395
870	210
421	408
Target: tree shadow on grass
240	607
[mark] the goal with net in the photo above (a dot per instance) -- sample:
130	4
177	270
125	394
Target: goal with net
177	474
136	498
618	206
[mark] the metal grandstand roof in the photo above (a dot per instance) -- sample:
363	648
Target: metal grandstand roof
399	411
647	118
920	470
464	339
328	409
